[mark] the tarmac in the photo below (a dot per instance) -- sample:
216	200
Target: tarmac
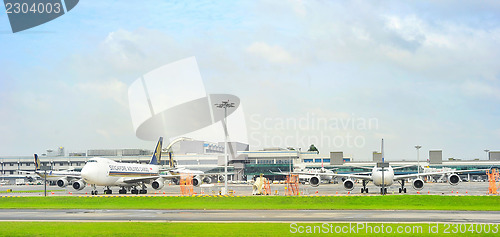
464	188
351	216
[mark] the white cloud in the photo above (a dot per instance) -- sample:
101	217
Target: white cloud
111	89
480	89
273	54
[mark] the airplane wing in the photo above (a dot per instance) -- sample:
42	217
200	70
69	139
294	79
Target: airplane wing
214	174
71	177
170	176
26	172
402	167
355	176
140	179
407	176
360	167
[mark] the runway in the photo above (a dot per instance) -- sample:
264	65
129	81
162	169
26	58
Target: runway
386	216
465	188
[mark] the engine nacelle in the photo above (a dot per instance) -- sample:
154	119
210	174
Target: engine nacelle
78	185
196	181
62	182
158	184
207	180
348	184
315	181
454	179
417	184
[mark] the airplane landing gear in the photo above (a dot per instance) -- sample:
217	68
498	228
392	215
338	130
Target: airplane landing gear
122	191
108	191
402	189
364	188
94	190
383	190
143	190
134	191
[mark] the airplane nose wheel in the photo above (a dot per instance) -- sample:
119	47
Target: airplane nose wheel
383	190
402	189
94	190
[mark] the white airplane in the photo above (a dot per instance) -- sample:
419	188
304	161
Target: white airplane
199	177
106	172
382	175
305	175
323	174
62	177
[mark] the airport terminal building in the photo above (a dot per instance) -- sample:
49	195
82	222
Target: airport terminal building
243	163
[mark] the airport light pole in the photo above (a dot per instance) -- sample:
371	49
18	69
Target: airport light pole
225	105
418	158
487	158
382	166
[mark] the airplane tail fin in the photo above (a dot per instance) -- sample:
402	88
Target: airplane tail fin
37	163
171	160
382	151
157	153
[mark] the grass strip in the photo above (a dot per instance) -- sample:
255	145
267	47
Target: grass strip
32	191
240	229
398	202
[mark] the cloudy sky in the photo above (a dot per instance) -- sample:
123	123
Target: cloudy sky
339	74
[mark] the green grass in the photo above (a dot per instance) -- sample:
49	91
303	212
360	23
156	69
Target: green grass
224	229
398	202
32	191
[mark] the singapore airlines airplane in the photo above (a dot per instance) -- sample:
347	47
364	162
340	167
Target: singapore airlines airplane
62	178
382	175
106	172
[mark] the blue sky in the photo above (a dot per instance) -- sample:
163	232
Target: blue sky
427	71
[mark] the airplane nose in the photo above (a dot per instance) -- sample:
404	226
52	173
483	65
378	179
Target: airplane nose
85	172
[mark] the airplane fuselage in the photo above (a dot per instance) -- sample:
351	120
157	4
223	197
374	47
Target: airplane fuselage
388	176
180	171
322	173
106	172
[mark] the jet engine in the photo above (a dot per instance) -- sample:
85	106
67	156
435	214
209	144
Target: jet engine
63	182
454	179
77	185
196	181
348	185
207	180
315	181
418	184
158	184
